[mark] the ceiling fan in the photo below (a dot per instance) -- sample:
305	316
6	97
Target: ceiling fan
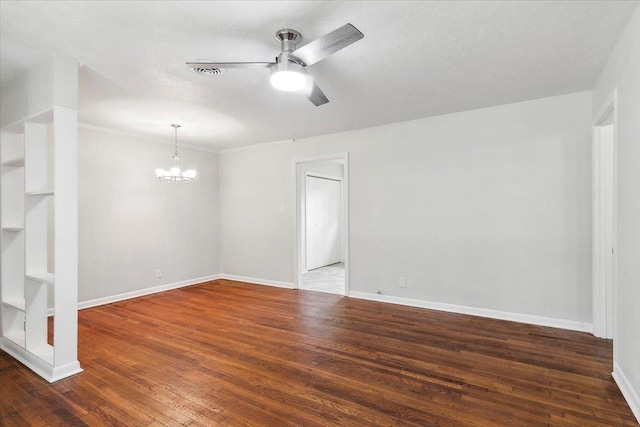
289	72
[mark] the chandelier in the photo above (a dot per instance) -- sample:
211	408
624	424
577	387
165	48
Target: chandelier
175	174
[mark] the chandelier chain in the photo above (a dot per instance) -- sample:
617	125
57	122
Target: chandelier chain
175	154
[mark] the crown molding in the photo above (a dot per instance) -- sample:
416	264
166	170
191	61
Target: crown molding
110	131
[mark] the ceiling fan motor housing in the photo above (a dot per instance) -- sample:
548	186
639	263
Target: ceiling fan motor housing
288	40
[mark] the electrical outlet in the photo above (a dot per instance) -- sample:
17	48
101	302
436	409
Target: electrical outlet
402	282
158	274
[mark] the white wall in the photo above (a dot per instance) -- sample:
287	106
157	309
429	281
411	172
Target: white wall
622	72
131	224
54	81
488	208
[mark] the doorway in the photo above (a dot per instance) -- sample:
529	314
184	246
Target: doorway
321	226
322	220
604	223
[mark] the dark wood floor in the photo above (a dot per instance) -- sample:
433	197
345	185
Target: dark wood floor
232	353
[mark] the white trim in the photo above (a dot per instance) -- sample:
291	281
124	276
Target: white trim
297	244
476	311
64	371
342	156
37	365
626	388
146	291
603	116
307	138
260	145
597	314
604	294
256	281
141	292
297	239
187	146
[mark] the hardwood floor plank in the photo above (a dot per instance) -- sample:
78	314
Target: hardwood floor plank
232	353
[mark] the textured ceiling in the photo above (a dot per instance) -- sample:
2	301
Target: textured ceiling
417	59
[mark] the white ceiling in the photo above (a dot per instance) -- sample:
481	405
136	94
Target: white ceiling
417	59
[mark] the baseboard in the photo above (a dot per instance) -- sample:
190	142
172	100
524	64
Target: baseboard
625	386
253	280
61	372
36	364
142	292
474	311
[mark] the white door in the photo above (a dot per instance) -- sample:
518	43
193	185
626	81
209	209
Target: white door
323	218
315	223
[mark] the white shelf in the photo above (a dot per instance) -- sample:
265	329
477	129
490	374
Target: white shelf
40	193
43	117
44	352
12	228
16	336
41	277
17	303
15	163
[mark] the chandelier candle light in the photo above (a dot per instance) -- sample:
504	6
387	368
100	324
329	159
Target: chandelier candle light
175	174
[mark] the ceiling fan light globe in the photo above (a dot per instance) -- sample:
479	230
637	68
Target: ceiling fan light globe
288	81
288	76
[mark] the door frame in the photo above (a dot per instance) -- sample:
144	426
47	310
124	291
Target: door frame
604	294
297	244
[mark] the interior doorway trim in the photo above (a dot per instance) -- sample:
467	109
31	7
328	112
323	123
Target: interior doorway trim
297	246
604	252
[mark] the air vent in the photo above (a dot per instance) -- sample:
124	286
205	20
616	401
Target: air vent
207	71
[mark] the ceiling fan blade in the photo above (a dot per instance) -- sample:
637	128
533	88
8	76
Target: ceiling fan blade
327	45
314	93
209	65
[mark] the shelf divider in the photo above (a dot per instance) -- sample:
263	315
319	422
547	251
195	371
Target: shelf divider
43	277
40	193
44	352
14	163
17	303
16	336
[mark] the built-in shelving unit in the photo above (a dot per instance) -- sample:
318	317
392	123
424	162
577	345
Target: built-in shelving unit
39	217
12	269
38	159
